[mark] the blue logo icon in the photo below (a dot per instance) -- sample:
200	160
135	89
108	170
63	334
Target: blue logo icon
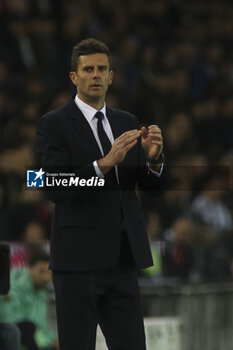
35	178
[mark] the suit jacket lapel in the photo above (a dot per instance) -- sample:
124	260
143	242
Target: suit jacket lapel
117	130
83	129
114	123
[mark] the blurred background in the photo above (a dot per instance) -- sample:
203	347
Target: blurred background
173	62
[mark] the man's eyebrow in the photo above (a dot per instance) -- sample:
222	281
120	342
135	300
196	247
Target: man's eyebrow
91	66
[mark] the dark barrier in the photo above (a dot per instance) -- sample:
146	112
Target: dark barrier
4	269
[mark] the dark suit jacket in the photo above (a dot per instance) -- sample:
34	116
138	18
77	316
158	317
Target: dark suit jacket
87	223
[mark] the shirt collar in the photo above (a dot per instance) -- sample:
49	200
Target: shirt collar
88	111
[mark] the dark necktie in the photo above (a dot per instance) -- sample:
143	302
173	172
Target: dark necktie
104	140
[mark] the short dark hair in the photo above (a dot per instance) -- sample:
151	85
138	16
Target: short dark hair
38	255
88	47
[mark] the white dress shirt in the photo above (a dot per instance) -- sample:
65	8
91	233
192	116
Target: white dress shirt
89	113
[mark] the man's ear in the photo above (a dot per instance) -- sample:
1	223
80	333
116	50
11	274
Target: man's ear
111	74
73	77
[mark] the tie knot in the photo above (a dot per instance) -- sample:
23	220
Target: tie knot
99	115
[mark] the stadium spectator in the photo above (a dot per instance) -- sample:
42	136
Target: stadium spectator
179	255
26	305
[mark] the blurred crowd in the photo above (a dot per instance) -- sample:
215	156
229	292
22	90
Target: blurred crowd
173	63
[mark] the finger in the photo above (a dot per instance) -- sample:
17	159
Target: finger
157	130
124	142
154	134
130	145
144	132
128	138
123	145
153	127
158	143
129	133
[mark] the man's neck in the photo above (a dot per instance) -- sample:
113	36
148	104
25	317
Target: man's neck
96	103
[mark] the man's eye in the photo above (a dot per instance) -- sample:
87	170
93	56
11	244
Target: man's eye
88	69
102	69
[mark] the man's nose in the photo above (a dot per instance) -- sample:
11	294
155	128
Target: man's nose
96	73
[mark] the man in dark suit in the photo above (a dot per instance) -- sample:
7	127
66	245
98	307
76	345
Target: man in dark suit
98	237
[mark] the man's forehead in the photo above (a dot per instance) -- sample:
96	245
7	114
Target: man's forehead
94	59
41	264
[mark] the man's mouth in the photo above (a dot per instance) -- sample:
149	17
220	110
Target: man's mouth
95	86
